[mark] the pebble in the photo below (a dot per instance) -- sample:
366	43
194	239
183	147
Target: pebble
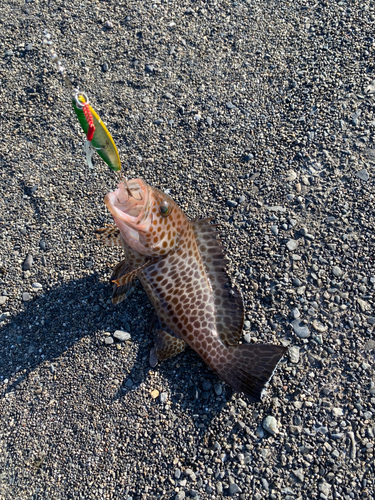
363	175
121	335
105	67
26	296
293	352
218	388
231	203
296	313
274	230
246	325
230	105
158	121
28	262
3	299
300	329
325	488
42	245
108	340
36	285
248	157
270	425
247	338
319	327
163	397
337	271
296	282
180	495
292	245
206	385
154	394
233	489
149	68
177	474
209	121
108	24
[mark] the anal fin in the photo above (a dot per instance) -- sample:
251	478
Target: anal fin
166	346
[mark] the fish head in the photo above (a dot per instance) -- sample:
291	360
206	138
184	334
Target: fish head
149	220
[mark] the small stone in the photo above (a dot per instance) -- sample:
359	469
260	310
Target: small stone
241	199
291	176
3	299
26	297
274	230
300	329
319	339
29	47
28	262
337	271
231	203
295	313
294	354
363	175
324	488
206	385
365	306
319	327
158	121
9	53
209	121
121	335
108	340
218	389
230	105
108	25
296	282
248	157
36	285
180	495
105	67
246	325
270	425
233	489
149	68
42	245
371	320
163	397
247	338
177	474
337	412
154	394
292	245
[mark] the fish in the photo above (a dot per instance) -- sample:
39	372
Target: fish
180	263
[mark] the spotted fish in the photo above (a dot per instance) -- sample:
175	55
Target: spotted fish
181	267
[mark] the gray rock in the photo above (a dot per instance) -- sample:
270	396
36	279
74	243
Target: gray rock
163	397
26	297
3	299
177	474
230	105
247	338
108	340
324	488
36	285
233	489
149	68
121	335
363	175
108	24
293	352
270	425
209	121
246	325
274	230
218	388
292	245
158	121
42	244
337	271
206	385
29	47
231	203
248	157
28	262
180	495
296	282
300	329
105	67
295	313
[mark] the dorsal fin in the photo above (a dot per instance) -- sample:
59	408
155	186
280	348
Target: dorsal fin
109	235
228	301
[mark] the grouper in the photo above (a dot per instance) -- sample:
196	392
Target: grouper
181	266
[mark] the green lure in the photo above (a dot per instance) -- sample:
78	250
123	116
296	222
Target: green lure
102	140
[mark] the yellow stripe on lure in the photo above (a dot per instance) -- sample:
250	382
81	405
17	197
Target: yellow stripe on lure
102	140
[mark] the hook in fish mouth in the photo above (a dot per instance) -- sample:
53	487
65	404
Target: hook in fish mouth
130	191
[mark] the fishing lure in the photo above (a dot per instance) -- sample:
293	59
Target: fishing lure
98	137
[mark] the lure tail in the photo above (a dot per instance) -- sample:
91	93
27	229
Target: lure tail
250	367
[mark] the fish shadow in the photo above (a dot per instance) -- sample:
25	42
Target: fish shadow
55	320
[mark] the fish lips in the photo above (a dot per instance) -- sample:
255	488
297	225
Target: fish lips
130	203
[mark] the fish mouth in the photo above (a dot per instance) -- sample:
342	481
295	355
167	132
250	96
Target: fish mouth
129	203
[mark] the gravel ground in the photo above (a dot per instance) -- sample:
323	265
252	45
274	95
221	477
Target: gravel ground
259	113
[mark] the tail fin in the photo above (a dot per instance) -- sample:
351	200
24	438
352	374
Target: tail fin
250	367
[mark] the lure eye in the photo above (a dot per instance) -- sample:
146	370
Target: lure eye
165	209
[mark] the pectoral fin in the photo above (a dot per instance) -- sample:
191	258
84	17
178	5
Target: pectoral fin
121	292
109	235
129	276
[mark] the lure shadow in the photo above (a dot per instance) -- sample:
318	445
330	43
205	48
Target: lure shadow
53	322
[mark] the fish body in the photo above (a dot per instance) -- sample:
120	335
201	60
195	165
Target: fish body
180	265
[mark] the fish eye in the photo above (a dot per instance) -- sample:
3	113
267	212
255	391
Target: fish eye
165	209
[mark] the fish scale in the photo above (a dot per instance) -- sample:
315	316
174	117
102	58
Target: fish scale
181	267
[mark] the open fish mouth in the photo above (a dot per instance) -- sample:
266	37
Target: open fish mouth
130	202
